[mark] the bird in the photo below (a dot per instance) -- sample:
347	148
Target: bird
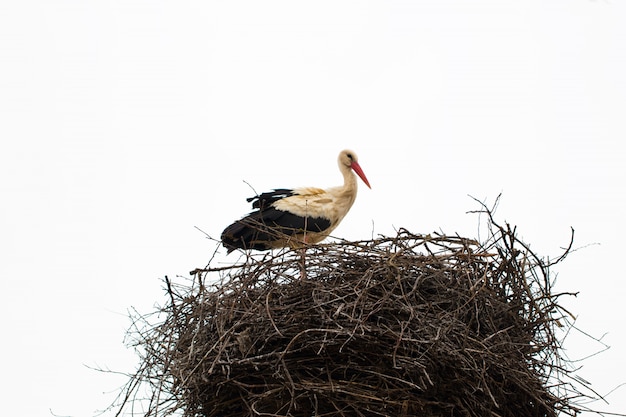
296	217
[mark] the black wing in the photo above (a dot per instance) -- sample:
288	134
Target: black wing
262	227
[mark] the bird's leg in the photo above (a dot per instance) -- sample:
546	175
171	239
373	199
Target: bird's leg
303	261
303	253
302	265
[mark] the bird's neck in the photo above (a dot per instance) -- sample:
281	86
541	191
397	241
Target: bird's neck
349	180
349	185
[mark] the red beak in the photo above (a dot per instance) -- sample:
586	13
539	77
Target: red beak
357	168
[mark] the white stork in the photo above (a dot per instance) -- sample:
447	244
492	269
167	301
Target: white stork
291	217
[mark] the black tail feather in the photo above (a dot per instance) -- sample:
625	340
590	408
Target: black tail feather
264	201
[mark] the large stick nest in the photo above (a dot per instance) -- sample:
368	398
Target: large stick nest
405	326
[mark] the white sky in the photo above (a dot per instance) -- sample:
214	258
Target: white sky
126	123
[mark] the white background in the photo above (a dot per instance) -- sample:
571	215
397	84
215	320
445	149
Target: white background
126	124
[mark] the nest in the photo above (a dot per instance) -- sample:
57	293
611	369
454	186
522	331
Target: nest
410	325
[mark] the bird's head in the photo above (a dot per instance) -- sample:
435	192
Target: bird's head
348	158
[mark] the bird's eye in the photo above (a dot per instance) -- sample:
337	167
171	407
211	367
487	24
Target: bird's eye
350	157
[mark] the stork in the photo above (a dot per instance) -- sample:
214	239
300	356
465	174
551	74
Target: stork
296	217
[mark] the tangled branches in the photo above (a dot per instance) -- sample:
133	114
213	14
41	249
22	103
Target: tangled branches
398	326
